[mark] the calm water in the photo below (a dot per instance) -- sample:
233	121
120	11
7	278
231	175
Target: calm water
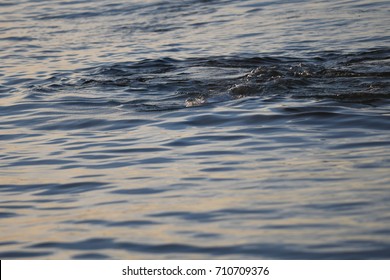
194	129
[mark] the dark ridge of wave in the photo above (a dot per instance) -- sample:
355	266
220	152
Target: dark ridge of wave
8	243
167	83
4	215
131	223
144	9
5	4
140	191
90	256
54	189
375	54
18	38
373	250
23	254
69	16
213	216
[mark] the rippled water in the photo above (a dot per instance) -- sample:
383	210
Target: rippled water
195	129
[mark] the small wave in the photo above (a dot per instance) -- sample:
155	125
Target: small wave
168	83
267	250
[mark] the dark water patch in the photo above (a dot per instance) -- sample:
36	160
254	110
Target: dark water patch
8	243
49	209
379	54
174	84
340	207
136	150
36	162
157	160
88	176
185	142
82	145
33	201
219	169
302	227
147	28
4	215
18	81
90	256
8	137
102	166
220	215
207	235
70	16
213	153
72	188
16	206
202	235
54	189
208	120
6	4
105	223
71	124
200	217
18	39
363	145
385	232
139	191
115	202
96	243
275	251
24	254
139	223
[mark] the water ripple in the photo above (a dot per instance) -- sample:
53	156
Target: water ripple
192	129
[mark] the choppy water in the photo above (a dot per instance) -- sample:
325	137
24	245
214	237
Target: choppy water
195	129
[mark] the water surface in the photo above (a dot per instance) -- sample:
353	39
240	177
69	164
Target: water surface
194	129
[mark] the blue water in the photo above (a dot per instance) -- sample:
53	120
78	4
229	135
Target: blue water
194	129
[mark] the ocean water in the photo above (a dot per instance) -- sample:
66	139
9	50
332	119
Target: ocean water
194	129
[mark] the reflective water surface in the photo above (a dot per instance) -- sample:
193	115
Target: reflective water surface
194	129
